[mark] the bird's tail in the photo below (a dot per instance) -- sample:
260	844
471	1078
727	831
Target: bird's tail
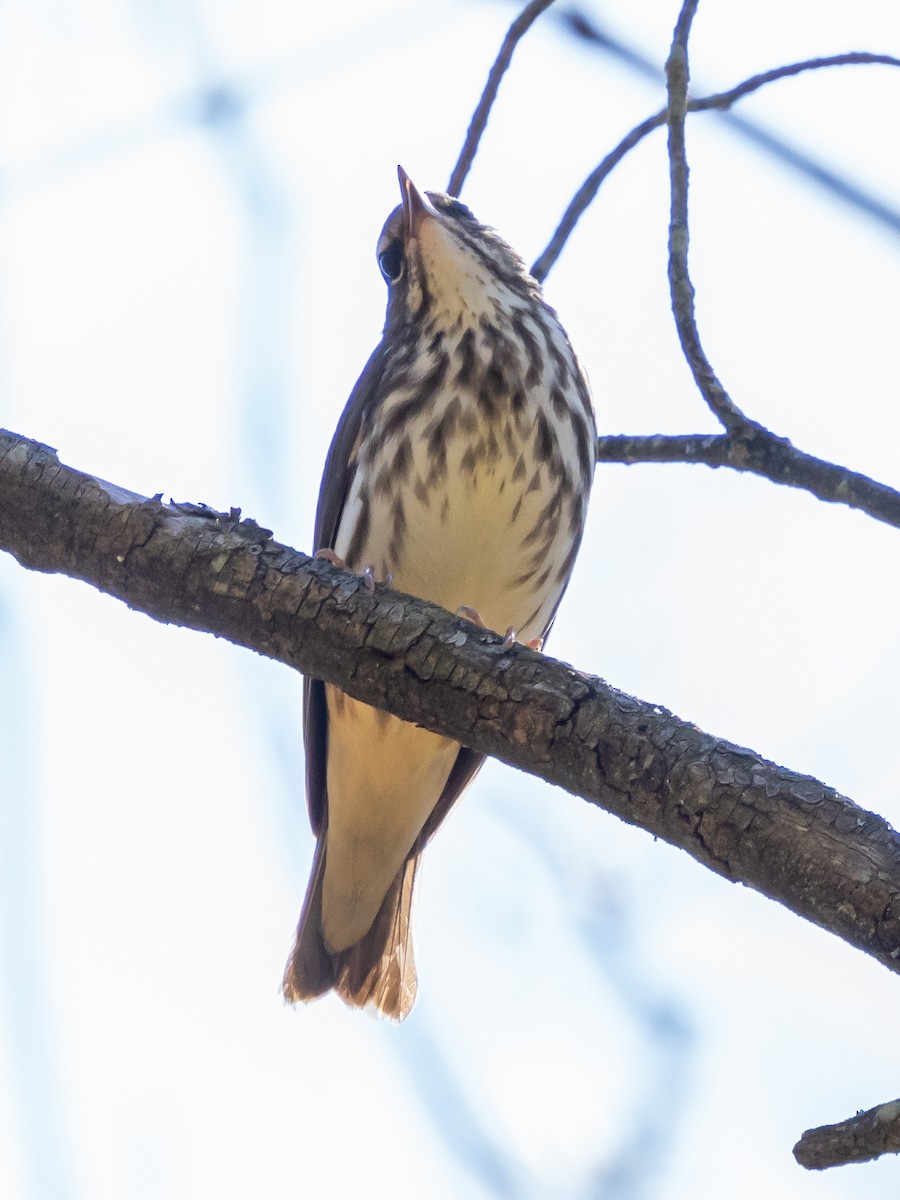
378	971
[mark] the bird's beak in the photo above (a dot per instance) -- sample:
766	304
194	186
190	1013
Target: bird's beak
416	206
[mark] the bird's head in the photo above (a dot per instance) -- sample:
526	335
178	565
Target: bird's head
440	262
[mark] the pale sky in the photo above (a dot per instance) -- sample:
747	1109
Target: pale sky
184	307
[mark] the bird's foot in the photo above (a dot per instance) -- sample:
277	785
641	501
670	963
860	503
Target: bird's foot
368	572
370	579
331	557
509	638
471	614
512	636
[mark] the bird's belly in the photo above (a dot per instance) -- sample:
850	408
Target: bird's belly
481	540
471	537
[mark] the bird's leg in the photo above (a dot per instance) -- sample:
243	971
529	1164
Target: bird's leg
509	638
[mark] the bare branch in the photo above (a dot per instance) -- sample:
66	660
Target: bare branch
746	446
853	58
866	1136
720	101
583	198
515	33
786	835
680	285
759	452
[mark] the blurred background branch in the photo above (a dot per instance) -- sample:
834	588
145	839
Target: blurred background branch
861	1138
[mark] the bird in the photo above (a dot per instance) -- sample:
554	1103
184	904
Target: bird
460	470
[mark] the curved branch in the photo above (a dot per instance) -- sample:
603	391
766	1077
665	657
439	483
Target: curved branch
680	286
853	58
746	445
584	197
477	125
719	102
866	1136
759	452
786	835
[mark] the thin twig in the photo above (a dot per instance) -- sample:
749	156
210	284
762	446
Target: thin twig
586	193
853	58
515	33
680	286
861	1138
760	452
707	449
767	140
748	446
720	102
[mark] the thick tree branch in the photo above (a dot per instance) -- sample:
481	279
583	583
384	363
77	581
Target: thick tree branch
784	834
866	1136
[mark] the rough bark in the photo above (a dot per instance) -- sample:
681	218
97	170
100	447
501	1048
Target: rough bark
786	835
861	1138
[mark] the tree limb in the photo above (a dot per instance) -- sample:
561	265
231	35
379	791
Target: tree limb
717	102
478	124
746	445
763	453
866	1136
680	285
786	835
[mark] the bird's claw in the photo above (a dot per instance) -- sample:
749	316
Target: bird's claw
370	579
470	614
509	638
368	571
330	557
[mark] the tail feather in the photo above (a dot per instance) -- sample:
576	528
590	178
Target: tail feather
311	968
378	971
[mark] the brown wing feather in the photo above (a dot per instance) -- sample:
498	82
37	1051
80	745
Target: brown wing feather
337	478
311	969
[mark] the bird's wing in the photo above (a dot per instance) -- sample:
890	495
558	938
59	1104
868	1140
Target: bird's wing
340	465
337	479
468	762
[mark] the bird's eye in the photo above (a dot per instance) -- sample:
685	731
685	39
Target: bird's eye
390	261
